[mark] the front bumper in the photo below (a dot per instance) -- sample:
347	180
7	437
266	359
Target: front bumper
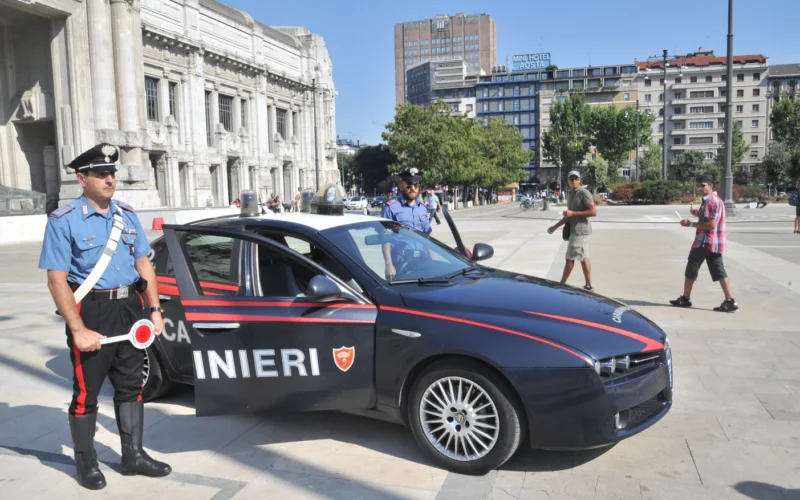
571	409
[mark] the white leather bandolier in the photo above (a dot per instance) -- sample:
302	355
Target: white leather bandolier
102	264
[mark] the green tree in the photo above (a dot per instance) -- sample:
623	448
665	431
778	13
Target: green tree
650	163
346	166
785	121
740	148
569	136
614	132
782	163
596	174
501	155
690	163
374	164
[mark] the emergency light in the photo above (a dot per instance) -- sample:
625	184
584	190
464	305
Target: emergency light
329	200
249	204
142	335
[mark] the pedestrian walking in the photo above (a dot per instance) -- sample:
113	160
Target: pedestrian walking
793	201
434	206
708	246
98	232
580	207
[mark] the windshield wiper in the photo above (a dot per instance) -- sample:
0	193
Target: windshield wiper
420	281
462	272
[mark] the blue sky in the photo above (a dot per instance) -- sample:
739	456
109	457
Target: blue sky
359	37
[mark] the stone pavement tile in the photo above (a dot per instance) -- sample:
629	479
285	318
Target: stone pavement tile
739	384
184	491
557	486
761	431
506	485
389	471
645	457
708	402
725	463
781	407
27	427
683	425
727	346
285	485
22	477
662	490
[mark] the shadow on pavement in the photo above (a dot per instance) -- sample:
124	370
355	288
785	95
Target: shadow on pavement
528	460
644	303
765	491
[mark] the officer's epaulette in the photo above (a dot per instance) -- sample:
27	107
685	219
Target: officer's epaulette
61	212
123	205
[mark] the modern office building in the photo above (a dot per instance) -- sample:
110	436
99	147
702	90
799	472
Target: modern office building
202	100
468	38
695	102
446	81
783	83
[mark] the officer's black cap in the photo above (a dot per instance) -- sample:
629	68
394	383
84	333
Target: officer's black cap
101	158
410	176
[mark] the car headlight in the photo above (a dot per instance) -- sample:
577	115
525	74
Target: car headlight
612	365
668	356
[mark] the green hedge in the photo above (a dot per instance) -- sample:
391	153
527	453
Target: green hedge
654	192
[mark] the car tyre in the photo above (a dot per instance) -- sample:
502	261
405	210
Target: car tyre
508	413
155	380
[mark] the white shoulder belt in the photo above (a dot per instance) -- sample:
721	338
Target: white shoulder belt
102	264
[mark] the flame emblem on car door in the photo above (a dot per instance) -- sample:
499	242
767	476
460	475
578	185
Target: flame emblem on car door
344	357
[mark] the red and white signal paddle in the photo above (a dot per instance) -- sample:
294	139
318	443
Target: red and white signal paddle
142	335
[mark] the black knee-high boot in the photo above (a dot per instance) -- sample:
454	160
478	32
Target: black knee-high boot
130	421
82	430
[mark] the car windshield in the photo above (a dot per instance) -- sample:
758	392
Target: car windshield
413	256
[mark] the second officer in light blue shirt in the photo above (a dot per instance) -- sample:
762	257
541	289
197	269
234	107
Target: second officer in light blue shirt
408	209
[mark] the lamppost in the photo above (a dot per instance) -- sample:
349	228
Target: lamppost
730	207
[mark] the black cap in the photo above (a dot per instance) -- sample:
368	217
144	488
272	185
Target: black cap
410	176
101	158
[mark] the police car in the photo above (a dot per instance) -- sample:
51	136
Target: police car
296	312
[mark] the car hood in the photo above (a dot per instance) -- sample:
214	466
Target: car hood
595	325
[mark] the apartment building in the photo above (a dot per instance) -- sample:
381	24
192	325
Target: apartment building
468	38
446	81
783	83
696	102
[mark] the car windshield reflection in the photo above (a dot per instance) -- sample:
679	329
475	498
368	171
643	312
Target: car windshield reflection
394	254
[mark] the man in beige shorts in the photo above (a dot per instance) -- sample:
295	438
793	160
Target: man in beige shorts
580	206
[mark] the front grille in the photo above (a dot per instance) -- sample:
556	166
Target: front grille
642	412
640	363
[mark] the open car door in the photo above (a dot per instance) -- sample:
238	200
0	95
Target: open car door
292	337
454	235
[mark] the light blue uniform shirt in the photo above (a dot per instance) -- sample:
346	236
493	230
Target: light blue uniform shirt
433	201
411	216
76	235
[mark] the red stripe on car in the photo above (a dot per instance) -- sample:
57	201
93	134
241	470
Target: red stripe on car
251	303
490	327
247	318
649	344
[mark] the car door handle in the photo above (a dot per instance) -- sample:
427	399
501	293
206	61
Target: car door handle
164	298
216	326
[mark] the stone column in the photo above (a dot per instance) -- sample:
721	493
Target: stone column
127	87
101	51
174	185
215	116
273	126
163	95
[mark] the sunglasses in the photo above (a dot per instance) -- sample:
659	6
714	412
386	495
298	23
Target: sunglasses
412	186
574	178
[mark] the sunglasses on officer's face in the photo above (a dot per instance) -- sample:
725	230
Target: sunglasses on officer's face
412	186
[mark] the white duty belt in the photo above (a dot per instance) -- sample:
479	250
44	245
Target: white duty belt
102	264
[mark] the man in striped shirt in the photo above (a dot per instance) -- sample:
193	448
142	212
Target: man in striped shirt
708	246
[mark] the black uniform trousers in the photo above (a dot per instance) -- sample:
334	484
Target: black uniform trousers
120	361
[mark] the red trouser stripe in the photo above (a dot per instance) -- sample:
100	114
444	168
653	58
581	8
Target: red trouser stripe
80	408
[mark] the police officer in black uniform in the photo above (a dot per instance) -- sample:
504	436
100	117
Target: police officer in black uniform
75	239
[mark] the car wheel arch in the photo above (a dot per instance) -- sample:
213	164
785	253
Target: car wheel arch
422	365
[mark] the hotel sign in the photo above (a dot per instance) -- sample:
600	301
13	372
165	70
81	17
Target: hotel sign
525	62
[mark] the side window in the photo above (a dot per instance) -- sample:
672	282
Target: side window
212	259
281	276
161	261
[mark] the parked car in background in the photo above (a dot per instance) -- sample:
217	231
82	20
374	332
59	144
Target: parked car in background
356	203
379	201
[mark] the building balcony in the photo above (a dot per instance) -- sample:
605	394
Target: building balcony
681	147
698	100
699	131
697	85
697	116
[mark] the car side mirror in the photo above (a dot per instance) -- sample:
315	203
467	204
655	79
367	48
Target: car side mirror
323	289
482	251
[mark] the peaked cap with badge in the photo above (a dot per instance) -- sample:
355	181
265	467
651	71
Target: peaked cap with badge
101	158
410	176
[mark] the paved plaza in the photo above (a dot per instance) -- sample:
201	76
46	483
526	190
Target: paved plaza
733	432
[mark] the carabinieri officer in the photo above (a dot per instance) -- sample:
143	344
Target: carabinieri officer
409	211
75	239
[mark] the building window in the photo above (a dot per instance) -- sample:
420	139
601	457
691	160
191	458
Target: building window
469	107
756	107
701	140
209	122
753	155
660	97
740	108
173	105
627	96
740	77
701	124
693	79
756	77
677	111
709	78
244	114
677	140
151	97
701	109
226	112
648	82
754	124
701	94
709	156
740	93
677	95
648	97
678	80
740	122
756	92
280	116
754	139
660	127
